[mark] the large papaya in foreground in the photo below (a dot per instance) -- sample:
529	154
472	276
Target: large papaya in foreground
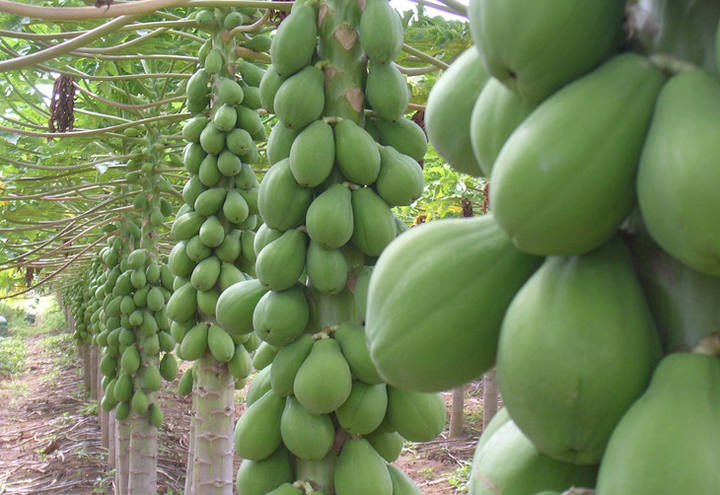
565	179
436	300
507	463
679	171
669	441
536	47
578	328
447	116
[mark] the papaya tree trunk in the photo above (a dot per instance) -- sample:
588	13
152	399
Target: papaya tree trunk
213	470
85	354
122	456
189	470
490	397
111	440
457	412
142	473
93	371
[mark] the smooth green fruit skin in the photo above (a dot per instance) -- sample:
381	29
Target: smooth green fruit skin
359	470
236	304
679	171
182	304
280	264
685	303
417	416
374	224
364	409
401	180
508	462
356	153
312	154
386	91
402	484
257	432
354	347
220	344
552	377
194	344
279	143
404	135
259	477
468	293
269	84
329	218
566	40
580	148
387	444
655	447
496	114
294	43
307	436
301	98
327	269
282	202
323	381
381	32
281	317
447	116
287	362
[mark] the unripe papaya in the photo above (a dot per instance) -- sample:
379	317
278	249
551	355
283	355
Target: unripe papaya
264	355
417	416
239	141
327	269
249	120
323	382
139	403
374	225
387	444
236	304
312	154
229	275
229	92
212	232
123	388
401	482
220	344
259	477
401	179
281	317
282	202
212	139
194	343
287	362
257	432
280	264
168	367
364	409
182	304
356	153
185	385
381	32
240	365
280	142
151	379
209	201
193	127
329	219
359	470
269	84
354	347
307	436
196	250
185	226
235	208
130	361
258	386
301	98
386	91
207	301
404	135
294	43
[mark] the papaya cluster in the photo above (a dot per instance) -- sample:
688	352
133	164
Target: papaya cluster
589	284
136	332
320	419
214	228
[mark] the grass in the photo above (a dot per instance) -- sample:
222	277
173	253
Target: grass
12	356
460	476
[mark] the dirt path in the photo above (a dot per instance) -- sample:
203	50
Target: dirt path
50	436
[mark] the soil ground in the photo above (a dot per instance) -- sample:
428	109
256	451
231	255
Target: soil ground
50	435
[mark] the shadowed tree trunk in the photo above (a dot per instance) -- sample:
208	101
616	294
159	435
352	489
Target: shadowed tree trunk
490	397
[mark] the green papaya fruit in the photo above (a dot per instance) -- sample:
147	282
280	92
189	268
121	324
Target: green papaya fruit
607	111
287	489
387	444
280	264
448	111
404	135
352	343
185	226
252	97
123	388
362	282
151	345
269	84
281	317
301	98
251	73
566	41
417	416
566	311
508	461
212	139
206	274
264	236
323	381
247	241
139	402
258	386
364	409
280	142
193	127
240	365
329	218
282	202
214	61
246	178
207	301
257	432
673	168
224	118
236	304
374	225
122	411
151	379
229	92
182	304
239	142
185	385
259	477
194	344
327	269
312	154
156	415
193	155
212	232
167	342
196	250
386	91
496	114
228	163
138	279
318	473
220	344
192	190
307	436
168	367
235	208
401	482
381	32
360	470
230	248
294	43
654	448
209	173
130	361
264	355
229	275
249	120
356	153
149	325
401	178
330	310
468	293
198	90
287	362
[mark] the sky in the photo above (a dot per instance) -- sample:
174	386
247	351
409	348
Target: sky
403	5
